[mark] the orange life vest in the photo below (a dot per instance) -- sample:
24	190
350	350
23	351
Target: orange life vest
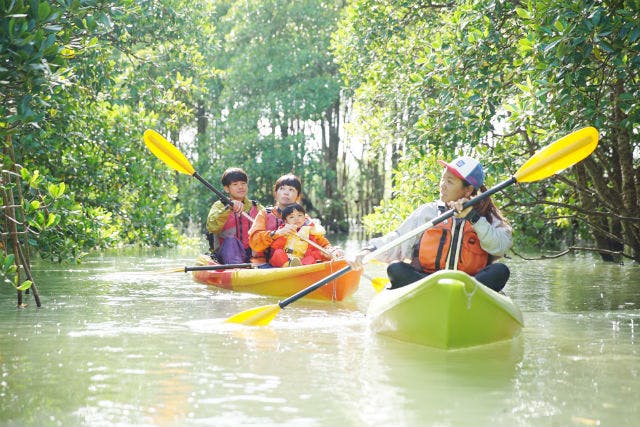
272	222
452	244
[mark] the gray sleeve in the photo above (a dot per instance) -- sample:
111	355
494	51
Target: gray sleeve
496	237
421	215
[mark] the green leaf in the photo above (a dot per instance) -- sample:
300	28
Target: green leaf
558	26
596	17
43	11
34	179
8	261
51	219
56	191
523	13
25	285
606	46
53	28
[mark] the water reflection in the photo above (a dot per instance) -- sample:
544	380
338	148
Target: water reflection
574	284
421	382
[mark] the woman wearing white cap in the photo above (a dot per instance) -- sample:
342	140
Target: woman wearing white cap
471	241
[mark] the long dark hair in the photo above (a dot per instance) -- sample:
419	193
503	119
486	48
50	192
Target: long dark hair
486	207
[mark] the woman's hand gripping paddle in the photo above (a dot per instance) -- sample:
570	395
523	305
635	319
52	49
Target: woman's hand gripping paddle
549	160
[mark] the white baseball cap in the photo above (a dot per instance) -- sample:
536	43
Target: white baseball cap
467	169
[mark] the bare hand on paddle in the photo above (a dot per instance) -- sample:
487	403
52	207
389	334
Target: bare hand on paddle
356	261
336	252
237	206
458	206
284	230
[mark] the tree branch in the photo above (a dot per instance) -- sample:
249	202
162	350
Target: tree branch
574	249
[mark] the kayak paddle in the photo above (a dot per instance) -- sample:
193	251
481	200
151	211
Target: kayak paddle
187	269
379	283
549	160
171	156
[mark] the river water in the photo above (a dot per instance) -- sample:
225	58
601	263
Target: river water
118	343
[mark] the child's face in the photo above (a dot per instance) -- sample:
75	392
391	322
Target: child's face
237	190
296	218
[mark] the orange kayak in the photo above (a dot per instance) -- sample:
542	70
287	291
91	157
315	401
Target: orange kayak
282	282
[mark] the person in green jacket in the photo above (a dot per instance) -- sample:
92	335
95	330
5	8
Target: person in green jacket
228	225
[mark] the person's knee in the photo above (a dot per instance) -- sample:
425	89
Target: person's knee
494	276
503	271
395	268
401	274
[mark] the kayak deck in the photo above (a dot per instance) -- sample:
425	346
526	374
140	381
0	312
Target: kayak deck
447	309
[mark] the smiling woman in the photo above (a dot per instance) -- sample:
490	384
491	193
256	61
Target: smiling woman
455	191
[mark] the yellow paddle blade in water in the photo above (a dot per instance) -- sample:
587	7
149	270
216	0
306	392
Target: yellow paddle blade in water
167	152
379	283
258	316
559	155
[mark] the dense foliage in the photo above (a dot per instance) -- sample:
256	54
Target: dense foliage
358	98
498	80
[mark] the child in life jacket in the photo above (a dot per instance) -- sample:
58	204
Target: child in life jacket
295	249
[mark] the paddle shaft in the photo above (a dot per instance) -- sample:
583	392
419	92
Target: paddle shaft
217	267
446	215
224	199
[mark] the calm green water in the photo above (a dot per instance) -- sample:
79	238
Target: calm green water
115	346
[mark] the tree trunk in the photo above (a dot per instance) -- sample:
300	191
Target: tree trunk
628	206
12	222
335	213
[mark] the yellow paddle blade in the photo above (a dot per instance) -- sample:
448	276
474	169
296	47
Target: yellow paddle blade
559	155
167	152
258	316
379	283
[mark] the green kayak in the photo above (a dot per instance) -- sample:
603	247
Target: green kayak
447	309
